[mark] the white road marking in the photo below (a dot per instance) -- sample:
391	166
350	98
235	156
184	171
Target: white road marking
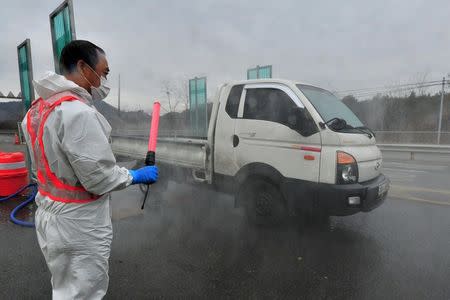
405	170
419	189
415	166
404	175
415	199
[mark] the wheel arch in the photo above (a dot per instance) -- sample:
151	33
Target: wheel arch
258	170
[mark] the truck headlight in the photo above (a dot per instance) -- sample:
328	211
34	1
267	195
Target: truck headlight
346	168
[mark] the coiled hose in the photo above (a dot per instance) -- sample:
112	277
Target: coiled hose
29	199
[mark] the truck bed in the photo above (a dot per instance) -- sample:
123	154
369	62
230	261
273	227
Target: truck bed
176	151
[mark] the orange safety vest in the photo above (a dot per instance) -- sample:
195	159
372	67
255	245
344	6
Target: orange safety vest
48	184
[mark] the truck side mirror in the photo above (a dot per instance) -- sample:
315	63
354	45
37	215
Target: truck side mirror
338	124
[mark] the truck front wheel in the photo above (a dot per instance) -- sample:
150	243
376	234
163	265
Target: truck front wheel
264	203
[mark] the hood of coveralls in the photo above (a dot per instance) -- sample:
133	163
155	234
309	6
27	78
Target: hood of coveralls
53	83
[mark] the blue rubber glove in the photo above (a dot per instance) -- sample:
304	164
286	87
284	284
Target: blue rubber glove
147	175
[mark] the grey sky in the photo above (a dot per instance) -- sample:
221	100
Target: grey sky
334	44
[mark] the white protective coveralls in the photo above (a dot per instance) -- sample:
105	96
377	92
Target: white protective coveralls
76	238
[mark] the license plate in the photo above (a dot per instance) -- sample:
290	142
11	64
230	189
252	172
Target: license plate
383	189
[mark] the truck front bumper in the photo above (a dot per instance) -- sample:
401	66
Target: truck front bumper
342	199
335	198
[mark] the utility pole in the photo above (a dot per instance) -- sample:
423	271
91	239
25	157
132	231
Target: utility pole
168	98
118	98
440	112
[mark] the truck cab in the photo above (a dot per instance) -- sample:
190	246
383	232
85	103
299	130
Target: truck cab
284	147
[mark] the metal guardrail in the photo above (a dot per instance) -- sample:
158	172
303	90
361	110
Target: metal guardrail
416	148
436	153
8	131
412	137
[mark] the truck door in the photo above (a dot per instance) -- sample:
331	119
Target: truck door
274	128
224	140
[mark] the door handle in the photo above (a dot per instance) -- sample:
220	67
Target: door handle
235	141
250	134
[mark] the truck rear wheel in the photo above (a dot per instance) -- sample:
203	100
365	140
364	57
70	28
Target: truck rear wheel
264	203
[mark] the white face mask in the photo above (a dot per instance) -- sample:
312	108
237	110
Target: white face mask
100	92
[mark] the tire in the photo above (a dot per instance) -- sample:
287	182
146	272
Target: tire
263	201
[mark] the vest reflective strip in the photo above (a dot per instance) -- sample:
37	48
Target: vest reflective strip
12	166
30	128
65	200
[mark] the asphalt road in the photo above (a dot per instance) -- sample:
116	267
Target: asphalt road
196	245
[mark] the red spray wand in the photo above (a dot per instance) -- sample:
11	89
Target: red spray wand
152	140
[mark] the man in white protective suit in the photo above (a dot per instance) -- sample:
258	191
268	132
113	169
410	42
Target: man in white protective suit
75	170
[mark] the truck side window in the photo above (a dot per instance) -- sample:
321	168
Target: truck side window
234	98
274	105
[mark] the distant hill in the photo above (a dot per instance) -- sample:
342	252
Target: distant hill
10	114
127	119
412	113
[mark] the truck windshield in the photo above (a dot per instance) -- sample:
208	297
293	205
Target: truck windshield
328	105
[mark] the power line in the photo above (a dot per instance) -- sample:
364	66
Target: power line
389	86
398	89
393	90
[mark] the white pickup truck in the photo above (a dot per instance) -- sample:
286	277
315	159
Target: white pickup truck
281	147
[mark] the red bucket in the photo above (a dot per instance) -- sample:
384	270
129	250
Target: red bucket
13	172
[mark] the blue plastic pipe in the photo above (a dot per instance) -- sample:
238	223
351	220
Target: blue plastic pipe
30	199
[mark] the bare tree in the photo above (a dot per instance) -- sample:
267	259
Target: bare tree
177	92
182	91
167	88
420	79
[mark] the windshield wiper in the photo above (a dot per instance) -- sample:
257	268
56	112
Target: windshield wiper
339	124
367	129
369	135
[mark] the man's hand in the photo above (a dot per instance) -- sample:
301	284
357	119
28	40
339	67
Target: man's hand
147	175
